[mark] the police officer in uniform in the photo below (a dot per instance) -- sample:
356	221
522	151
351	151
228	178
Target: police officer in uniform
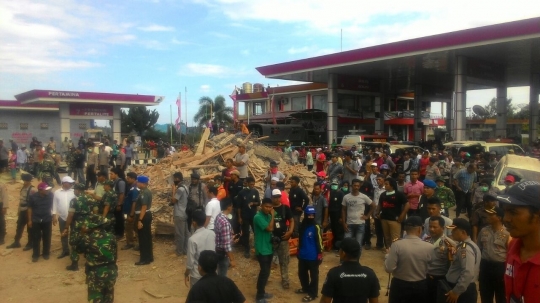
79	209
441	255
463	271
493	241
408	261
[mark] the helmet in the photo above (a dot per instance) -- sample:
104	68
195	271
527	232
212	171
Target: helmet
310	210
79	186
385	166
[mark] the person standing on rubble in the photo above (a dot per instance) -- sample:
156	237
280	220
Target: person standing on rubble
241	161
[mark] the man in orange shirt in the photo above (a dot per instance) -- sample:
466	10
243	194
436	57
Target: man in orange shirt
222	193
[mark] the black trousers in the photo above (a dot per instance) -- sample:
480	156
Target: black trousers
41	231
265	263
367	229
22	223
91	177
244	239
234	222
379	232
2	223
463	200
145	238
491	281
119	223
308	273
469	296
404	291
337	228
432	283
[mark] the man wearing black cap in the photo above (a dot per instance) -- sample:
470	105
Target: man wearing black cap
350	282
463	272
493	242
26	191
522	219
408	261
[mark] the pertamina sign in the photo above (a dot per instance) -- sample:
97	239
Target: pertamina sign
91	110
63	94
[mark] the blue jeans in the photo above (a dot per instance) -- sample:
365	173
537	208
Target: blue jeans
223	266
356	231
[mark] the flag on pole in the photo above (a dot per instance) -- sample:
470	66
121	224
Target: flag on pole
178	104
235	103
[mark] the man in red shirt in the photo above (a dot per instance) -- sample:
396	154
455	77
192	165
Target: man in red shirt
423	163
320	159
522	219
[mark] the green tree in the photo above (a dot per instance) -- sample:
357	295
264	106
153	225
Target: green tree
491	108
221	113
138	119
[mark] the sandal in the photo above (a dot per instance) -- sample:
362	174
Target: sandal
300	291
308	298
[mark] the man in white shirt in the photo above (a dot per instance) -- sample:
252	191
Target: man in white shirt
22	157
202	239
61	200
213	208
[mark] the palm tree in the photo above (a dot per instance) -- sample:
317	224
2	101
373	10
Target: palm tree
221	113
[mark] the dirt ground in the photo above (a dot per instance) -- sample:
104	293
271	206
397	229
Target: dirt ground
162	281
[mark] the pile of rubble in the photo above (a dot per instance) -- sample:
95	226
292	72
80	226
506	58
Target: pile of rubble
208	160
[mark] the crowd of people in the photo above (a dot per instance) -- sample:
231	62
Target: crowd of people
404	200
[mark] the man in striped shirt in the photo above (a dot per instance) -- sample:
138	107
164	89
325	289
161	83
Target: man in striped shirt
224	238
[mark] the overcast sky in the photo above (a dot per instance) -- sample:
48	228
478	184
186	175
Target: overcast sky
160	47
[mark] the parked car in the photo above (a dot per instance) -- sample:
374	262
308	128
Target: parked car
521	167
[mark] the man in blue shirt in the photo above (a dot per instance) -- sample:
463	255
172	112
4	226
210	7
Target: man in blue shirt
310	249
464	181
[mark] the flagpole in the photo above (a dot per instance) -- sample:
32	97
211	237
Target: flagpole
185	94
170	108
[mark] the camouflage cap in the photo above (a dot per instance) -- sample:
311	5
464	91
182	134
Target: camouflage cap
108	182
79	186
92	221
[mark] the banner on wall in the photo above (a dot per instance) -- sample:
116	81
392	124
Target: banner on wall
91	110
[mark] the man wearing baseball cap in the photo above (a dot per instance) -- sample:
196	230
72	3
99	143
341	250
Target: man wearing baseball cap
522	219
40	220
463	272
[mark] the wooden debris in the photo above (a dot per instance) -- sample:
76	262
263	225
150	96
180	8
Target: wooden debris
208	161
157	296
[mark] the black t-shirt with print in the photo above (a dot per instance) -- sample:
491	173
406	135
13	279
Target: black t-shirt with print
351	283
283	214
392	205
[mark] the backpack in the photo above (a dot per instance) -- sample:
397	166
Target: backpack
191	204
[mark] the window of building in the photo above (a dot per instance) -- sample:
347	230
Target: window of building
82	125
298	103
319	102
23	126
44	125
258	108
3	125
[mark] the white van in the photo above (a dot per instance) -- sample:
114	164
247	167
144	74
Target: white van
523	168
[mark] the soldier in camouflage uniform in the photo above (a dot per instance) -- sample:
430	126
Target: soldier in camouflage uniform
47	170
108	202
79	209
99	246
70	161
446	195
